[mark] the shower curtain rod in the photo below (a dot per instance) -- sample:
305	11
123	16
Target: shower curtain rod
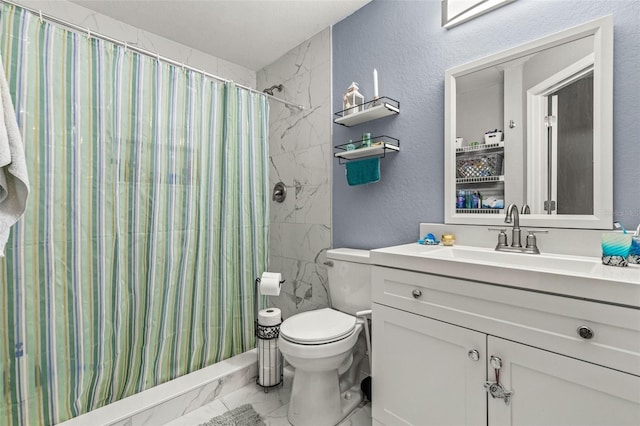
44	16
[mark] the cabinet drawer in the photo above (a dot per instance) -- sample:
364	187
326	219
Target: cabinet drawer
541	320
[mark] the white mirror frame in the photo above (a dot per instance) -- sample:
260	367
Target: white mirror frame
472	9
602	217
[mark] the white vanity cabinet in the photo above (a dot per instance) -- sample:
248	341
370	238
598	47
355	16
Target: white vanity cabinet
434	337
421	371
555	389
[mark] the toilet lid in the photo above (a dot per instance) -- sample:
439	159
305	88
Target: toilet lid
317	327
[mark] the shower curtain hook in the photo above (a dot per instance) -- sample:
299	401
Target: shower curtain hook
158	57
88	33
40	15
125	46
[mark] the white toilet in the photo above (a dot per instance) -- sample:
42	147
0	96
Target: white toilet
320	344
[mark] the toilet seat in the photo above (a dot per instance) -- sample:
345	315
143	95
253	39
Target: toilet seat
318	327
319	352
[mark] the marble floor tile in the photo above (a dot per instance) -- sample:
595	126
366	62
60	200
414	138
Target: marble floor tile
278	417
272	406
201	415
263	402
361	416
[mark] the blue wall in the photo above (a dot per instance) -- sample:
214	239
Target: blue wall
411	51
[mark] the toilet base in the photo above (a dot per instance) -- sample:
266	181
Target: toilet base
315	402
325	390
351	399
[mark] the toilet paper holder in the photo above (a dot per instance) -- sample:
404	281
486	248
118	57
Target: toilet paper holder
266	343
256	293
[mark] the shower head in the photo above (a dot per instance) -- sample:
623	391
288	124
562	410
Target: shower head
270	90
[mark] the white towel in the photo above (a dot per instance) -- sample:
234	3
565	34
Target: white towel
14	181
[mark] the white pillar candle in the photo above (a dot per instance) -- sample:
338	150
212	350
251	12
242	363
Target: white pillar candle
375	83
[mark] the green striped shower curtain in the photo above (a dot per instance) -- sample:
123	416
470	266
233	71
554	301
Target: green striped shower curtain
145	229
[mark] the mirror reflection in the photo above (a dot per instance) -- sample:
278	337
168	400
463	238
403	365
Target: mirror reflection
538	112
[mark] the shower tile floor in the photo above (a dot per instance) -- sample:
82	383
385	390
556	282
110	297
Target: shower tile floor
272	406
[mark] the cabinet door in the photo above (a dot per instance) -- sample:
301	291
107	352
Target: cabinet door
551	389
422	373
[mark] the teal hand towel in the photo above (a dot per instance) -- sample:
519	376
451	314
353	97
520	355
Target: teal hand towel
363	171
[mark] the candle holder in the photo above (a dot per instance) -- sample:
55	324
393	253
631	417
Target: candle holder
634	251
615	248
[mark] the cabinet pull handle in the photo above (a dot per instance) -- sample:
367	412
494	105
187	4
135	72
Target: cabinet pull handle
416	293
585	332
474	354
496	390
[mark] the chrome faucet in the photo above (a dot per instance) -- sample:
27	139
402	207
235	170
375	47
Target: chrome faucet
516	241
512	211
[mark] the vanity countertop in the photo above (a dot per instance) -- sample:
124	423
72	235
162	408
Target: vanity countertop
573	276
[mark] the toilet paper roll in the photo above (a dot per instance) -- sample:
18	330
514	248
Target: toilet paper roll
269	316
269	377
270	372
268	344
268	352
270	359
270	283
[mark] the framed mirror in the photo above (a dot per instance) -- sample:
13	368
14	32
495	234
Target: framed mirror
456	12
533	125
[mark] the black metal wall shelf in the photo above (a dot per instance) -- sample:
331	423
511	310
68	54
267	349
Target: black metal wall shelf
379	147
372	110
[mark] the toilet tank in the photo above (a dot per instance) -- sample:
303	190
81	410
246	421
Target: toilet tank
349	280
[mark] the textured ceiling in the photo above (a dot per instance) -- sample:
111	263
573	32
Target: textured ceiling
246	32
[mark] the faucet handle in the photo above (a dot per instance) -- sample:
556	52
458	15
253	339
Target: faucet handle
537	231
532	246
502	237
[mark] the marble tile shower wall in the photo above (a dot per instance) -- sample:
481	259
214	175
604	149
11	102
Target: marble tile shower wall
300	150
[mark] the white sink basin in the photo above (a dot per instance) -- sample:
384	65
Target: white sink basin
568	264
575	276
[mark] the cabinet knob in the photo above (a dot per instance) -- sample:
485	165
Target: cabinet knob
585	332
416	293
495	362
474	354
